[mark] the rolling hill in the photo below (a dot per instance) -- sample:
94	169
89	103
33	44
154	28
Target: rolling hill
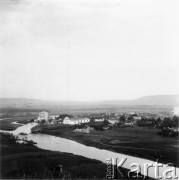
160	100
157	100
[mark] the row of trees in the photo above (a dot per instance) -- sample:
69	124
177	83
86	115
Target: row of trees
166	122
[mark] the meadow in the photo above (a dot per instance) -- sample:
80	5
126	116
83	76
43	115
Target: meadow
144	142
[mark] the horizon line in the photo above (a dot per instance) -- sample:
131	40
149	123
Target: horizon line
57	100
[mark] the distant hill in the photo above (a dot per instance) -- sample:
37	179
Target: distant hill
158	100
20	102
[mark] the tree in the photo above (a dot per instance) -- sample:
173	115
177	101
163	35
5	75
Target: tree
176	121
32	120
106	122
158	122
167	122
43	121
122	118
63	116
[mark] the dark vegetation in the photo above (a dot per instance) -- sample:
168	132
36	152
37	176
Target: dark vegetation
7	126
25	161
143	142
167	122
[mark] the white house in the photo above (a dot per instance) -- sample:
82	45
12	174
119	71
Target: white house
136	119
129	124
73	121
99	120
113	121
176	111
43	116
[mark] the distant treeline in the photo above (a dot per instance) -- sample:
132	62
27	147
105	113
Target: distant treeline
167	122
12	112
7	110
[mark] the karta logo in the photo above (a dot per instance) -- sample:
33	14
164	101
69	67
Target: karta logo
116	170
110	168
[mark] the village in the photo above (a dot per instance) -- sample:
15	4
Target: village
140	134
167	121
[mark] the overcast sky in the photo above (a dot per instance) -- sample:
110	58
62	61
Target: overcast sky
88	50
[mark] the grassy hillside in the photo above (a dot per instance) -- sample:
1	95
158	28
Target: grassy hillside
19	161
145	104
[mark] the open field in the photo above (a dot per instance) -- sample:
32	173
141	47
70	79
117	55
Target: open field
82	109
137	141
7	126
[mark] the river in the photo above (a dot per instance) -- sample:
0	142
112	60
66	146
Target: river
49	142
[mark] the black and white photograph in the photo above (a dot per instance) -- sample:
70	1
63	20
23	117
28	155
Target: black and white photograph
89	89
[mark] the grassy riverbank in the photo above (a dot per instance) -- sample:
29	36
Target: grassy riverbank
7	125
142	142
27	161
